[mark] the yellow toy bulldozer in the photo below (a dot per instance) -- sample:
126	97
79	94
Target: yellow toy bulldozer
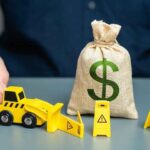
16	108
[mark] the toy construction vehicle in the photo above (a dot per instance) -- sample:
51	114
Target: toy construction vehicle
16	108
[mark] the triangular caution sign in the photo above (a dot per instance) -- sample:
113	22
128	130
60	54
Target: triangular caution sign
101	119
147	122
69	126
102	125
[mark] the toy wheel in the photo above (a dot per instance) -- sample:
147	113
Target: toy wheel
6	118
29	120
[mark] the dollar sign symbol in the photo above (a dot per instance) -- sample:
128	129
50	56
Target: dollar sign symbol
103	80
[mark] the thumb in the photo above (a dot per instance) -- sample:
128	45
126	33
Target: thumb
4	77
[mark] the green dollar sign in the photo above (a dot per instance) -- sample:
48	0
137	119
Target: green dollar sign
103	80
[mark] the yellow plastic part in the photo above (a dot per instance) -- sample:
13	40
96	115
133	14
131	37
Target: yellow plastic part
18	105
147	122
58	121
102	125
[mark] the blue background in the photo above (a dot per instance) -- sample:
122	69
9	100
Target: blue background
44	38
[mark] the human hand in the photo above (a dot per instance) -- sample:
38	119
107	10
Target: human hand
4	77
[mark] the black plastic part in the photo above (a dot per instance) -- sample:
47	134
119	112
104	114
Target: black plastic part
10	96
32	117
10	118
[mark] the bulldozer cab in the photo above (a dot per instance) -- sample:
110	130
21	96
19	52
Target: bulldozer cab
13	94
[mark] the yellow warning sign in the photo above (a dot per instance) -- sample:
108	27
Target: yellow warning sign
102	119
147	122
73	127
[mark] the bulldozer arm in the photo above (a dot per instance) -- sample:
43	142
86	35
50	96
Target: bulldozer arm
56	120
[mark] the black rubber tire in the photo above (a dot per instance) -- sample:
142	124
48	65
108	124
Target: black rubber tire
29	120
6	118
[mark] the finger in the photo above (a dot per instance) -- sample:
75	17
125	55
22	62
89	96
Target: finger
2	88
4	75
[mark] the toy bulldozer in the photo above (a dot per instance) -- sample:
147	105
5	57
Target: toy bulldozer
16	108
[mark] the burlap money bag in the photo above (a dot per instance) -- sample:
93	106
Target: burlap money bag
103	73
